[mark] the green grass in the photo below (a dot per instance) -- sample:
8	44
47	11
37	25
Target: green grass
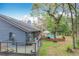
53	48
45	45
49	43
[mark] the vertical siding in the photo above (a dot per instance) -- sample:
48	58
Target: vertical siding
5	28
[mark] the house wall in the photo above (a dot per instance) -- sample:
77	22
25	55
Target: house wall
5	28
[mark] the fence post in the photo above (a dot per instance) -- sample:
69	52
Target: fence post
25	48
16	47
0	46
39	42
35	47
7	46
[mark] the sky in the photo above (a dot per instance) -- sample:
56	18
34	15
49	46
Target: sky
15	10
18	11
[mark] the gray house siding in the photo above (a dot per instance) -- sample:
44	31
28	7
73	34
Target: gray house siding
6	28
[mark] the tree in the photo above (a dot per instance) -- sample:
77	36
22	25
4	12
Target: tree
48	23
52	11
72	21
63	26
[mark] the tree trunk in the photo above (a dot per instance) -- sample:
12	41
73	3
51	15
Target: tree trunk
72	26
76	20
55	32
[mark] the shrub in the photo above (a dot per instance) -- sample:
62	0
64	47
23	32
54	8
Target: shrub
69	49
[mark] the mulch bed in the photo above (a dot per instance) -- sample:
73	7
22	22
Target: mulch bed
55	39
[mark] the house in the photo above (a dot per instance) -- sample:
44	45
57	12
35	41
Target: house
15	30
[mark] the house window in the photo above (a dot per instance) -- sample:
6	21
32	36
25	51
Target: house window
11	36
27	37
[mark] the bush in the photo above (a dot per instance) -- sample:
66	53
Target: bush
69	49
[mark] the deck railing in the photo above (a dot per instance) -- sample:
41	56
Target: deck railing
9	47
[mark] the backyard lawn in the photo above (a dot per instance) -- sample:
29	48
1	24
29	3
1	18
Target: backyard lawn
50	48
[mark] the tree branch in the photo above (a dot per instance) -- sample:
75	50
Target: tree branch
59	18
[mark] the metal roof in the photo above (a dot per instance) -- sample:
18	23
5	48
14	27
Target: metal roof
19	24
